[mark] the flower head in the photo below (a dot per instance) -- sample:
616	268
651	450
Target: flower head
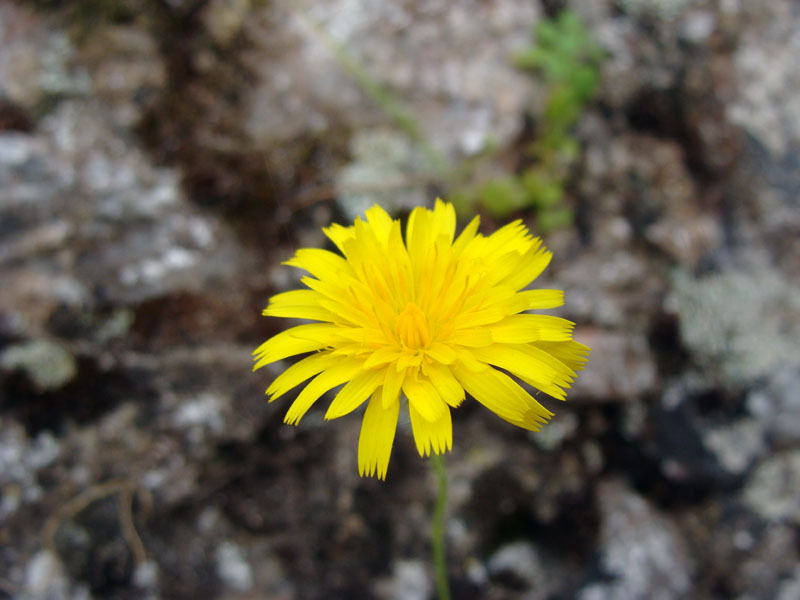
428	318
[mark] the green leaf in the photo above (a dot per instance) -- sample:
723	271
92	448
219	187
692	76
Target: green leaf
503	195
543	189
555	218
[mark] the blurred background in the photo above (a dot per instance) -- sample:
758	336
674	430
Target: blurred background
160	158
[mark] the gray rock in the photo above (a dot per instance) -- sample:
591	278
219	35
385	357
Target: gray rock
386	168
200	415
740	324
48	365
621	367
552	437
767	105
410	581
641	551
233	568
145	577
647	180
790	588
45	579
523	561
100	243
736	445
224	19
776	405
124	225
767	566
773	490
698	26
661	9
21	459
127	71
450	64
686	237
635	61
37	61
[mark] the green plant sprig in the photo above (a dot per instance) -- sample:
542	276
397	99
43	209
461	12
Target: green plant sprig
568	59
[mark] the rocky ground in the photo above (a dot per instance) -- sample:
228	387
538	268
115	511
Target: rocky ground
159	159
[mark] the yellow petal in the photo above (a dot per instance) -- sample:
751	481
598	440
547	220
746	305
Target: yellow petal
376	438
297	340
479	318
380	221
517	302
497	271
299	372
541	299
444	218
392	383
472	337
329	379
322	264
441	353
573	354
419	236
552	329
503	396
440	278
310	313
397	269
532	365
524	328
466	236
298	304
436	436
339	235
340	303
445	383
351	396
382	356
408	359
424	398
513	236
529	268
467	359
500	296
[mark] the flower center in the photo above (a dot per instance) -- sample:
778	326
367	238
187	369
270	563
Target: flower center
412	327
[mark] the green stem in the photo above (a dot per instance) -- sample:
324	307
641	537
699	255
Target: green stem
388	102
439	559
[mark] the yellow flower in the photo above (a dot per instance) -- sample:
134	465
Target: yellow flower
432	318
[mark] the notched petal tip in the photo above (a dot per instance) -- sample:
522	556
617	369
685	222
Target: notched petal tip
377	437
